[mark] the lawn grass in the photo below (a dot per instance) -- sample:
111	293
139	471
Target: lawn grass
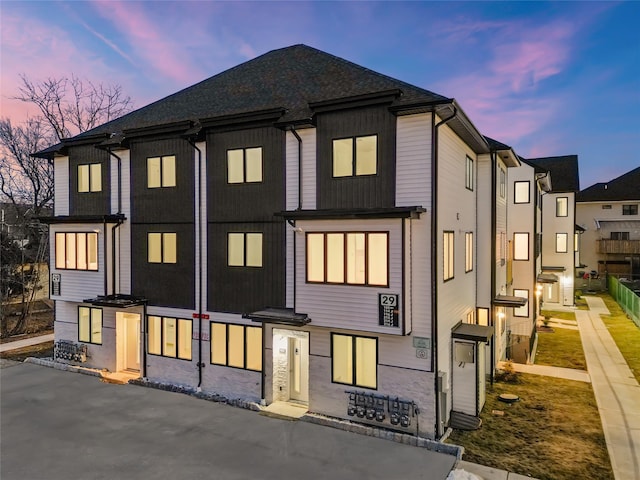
625	333
553	432
560	348
560	315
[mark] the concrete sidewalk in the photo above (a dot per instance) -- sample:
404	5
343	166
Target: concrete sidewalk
559	372
27	342
616	390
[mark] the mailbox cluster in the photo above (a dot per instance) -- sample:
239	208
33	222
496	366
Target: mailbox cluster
70	351
376	407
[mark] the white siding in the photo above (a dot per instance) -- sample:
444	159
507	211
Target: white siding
418	296
308	136
61	185
413	160
291	204
464	382
124	231
485	240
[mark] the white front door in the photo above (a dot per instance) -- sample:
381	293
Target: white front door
128	341
298	369
290	366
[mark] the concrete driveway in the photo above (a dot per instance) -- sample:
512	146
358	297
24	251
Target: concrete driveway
61	425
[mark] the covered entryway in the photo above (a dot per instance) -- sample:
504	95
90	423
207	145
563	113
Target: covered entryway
290	366
128	341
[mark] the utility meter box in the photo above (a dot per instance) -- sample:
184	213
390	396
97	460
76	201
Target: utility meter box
464	352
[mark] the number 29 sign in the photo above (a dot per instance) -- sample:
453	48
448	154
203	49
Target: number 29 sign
388	312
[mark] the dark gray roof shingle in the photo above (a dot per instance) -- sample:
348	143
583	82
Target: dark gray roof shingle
625	187
563	170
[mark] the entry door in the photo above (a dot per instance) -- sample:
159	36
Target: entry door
551	292
132	342
298	369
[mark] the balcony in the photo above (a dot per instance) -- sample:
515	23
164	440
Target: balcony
625	247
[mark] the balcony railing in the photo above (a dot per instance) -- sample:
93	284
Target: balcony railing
618	246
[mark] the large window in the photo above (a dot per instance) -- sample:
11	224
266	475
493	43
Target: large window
524	310
161	171
244	165
162	247
619	236
562	206
630	209
468	248
521	246
244	249
468	183
503	183
359	258
90	325
521	192
561	242
77	251
90	178
448	247
169	337
236	346
354	360
355	156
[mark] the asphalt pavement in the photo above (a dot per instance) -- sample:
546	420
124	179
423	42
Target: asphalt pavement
60	425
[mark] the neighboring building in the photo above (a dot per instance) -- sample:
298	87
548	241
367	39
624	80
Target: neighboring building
559	243
297	228
608	212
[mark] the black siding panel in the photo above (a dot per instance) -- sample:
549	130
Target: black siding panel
89	203
164	284
246	289
256	202
364	191
160	205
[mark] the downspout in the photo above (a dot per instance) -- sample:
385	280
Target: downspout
106	275
117	225
201	256
295	134
494	171
434	256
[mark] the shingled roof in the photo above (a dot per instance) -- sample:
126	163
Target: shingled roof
563	170
625	187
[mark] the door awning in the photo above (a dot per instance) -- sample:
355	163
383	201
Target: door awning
547	278
282	316
509	301
118	300
473	332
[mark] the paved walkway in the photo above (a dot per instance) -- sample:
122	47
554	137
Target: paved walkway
616	390
559	372
27	342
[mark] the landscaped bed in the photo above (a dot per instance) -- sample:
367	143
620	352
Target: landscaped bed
553	432
560	348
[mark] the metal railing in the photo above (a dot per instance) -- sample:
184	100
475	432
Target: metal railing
627	295
626	247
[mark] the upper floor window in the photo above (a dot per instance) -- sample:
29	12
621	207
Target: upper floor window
630	209
169	337
619	236
521	192
355	156
561	242
606	207
352	258
244	165
468	183
90	177
244	249
448	255
468	258
562	206
90	325
162	247
161	171
521	246
77	251
354	360
236	346
503	183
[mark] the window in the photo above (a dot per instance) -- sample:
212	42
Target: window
77	251
470	318
561	242
169	337
469	174
359	258
483	316
161	171
468	248
236	346
90	177
606	207
503	248
503	183
524	310
521	192
162	247
630	209
244	249
355	156
448	254
521	246
244	165
354	360
90	325
562	206
619	236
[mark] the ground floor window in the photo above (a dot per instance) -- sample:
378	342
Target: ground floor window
169	337
238	346
354	360
90	325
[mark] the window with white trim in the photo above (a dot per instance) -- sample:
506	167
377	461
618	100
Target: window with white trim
561	243
162	247
448	254
354	360
521	192
161	171
90	177
76	251
355	156
562	206
169	337
244	165
90	325
521	246
468	182
238	346
244	249
468	247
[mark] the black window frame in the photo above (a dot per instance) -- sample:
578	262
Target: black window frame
354	159
527	305
56	267
354	358
503	183
244	165
244	341
162	249
619	236
469	173
445	261
91	310
162	343
515	192
630	209
175	159
244	251
89	178
558	206
466	252
515	250
566	235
